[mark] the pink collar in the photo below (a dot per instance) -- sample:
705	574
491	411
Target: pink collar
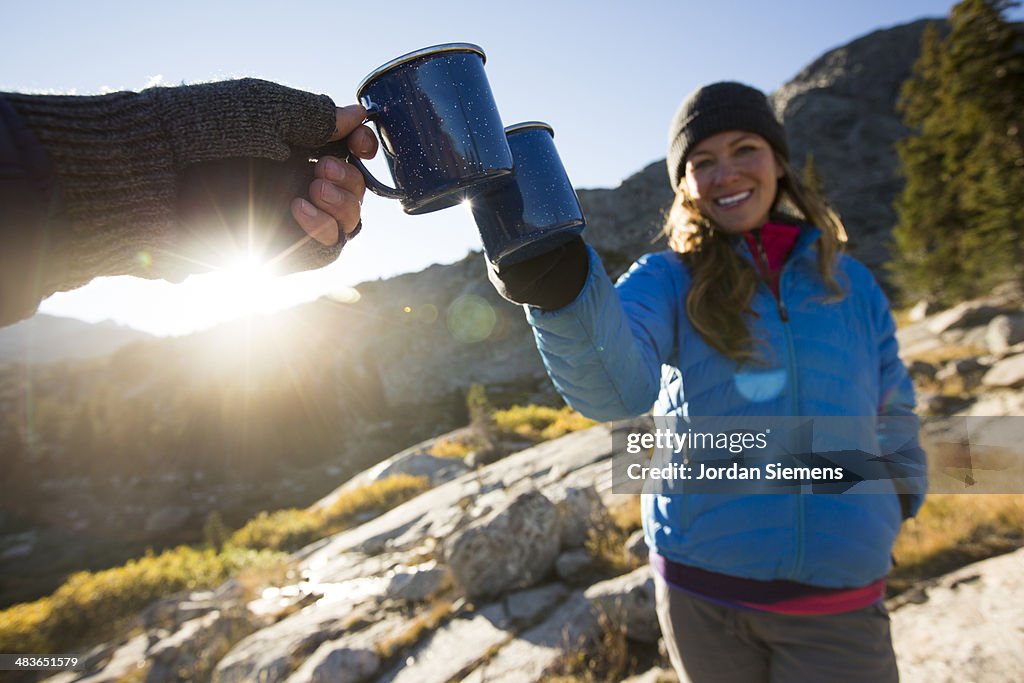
777	239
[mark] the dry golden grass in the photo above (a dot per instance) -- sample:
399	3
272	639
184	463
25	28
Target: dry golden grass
952	530
93	605
279	530
531	422
450	448
539	423
90	604
274	572
610	657
902	317
376	496
294	528
606	539
625	512
949	352
427	620
567	420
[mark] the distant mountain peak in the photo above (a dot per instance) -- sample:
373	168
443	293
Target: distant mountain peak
47	338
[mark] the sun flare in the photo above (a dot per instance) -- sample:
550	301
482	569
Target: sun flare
246	287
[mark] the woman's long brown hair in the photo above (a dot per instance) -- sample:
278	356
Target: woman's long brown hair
723	283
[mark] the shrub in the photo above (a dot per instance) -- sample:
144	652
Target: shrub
216	534
450	448
291	529
283	530
609	656
427	620
92	605
539	423
375	497
606	538
481	417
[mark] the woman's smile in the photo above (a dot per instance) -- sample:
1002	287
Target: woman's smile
733	200
733	177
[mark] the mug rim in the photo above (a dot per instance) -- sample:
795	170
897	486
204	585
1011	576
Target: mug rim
416	54
527	125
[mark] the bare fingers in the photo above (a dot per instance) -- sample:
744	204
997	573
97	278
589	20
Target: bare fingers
334	203
363	143
317	224
348	125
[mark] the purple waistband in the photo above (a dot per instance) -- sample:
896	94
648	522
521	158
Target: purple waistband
733	589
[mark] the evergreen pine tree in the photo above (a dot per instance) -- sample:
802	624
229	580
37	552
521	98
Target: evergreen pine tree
988	60
927	234
959	227
812	177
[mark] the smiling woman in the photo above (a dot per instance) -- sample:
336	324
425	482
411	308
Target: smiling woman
715	327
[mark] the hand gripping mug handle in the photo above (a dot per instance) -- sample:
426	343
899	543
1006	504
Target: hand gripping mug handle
340	148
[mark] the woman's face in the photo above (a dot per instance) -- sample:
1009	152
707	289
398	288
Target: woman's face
733	177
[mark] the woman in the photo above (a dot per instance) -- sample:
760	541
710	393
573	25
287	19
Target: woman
754	312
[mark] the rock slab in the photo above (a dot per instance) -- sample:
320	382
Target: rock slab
970	628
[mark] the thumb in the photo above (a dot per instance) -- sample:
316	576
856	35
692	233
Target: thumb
347	119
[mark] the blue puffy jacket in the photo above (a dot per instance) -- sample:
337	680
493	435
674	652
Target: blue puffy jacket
616	350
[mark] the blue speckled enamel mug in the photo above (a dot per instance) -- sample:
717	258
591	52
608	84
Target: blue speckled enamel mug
438	125
535	209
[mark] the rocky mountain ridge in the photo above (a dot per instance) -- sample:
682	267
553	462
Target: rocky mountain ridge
841	109
47	338
489	576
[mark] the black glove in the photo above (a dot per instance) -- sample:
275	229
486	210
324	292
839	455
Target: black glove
549	281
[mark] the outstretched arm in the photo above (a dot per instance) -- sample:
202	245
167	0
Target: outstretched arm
602	345
163	183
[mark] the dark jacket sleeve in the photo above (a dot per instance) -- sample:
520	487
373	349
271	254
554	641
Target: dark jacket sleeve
160	183
27	198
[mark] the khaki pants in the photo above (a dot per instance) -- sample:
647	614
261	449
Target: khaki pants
709	643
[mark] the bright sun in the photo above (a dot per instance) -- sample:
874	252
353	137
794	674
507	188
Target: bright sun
244	288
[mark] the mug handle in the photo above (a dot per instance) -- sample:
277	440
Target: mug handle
340	148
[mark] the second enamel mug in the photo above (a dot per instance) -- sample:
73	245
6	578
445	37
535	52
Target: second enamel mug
536	208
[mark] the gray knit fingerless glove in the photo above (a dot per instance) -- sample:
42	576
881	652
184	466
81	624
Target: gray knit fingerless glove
120	158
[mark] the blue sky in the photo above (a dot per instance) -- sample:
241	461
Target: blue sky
607	76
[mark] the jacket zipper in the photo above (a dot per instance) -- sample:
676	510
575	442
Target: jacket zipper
766	274
763	266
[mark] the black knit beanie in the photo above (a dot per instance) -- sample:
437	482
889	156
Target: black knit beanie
715	108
